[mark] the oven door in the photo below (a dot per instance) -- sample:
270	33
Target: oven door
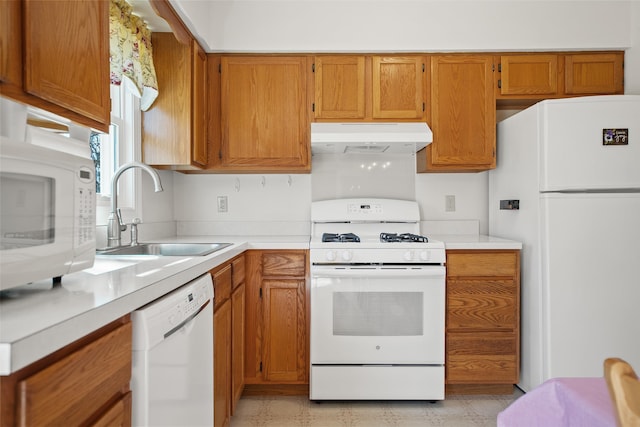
377	315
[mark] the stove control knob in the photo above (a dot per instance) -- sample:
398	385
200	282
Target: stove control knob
408	256
331	255
347	255
425	255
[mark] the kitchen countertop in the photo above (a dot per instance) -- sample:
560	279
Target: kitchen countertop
476	241
39	318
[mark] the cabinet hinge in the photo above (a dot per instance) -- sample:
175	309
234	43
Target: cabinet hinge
499	83
500	67
313	68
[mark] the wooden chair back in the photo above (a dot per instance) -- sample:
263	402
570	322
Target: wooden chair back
624	388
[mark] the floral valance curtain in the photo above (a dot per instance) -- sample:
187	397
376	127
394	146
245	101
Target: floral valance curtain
131	53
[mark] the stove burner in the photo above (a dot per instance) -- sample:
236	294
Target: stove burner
347	237
405	237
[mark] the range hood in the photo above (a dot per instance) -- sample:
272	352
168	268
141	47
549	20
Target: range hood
360	137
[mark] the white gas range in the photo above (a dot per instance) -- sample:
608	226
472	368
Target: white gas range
377	302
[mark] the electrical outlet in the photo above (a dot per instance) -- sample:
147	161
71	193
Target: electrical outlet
450	203
223	205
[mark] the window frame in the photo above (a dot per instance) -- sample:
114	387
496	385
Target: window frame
127	118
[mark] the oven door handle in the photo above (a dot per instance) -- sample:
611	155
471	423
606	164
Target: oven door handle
425	271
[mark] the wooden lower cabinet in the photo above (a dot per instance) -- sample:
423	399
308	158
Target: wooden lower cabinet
482	321
228	342
222	365
277	334
84	383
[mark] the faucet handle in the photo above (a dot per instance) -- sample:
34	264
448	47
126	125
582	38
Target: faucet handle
134	230
121	223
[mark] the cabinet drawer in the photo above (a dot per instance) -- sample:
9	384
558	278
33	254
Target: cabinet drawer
481	369
481	304
482	358
237	267
221	286
69	391
284	264
481	344
482	264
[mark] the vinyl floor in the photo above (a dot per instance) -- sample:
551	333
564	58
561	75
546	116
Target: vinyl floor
283	411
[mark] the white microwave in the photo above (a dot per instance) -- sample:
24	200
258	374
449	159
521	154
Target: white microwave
47	212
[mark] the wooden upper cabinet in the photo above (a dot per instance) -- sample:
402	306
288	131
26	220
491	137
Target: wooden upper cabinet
528	75
339	87
10	46
462	115
398	90
265	114
199	147
52	62
538	76
598	73
174	127
369	88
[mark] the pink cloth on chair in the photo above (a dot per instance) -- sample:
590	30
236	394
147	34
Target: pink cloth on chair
566	402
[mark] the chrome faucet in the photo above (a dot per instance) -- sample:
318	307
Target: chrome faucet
114	224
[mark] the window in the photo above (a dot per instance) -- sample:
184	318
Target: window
109	151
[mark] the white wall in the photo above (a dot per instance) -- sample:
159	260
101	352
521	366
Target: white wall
257	204
408	25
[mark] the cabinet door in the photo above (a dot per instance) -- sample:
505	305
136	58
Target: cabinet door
166	138
10	44
199	149
528	75
398	88
339	87
285	355
594	73
237	345
59	394
66	63
222	365
265	116
462	114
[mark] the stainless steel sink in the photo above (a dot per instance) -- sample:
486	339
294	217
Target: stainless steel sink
165	249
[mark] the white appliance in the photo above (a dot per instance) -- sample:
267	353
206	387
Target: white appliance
379	137
377	302
172	369
47	208
573	166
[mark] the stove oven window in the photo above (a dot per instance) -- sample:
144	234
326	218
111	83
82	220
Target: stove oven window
378	313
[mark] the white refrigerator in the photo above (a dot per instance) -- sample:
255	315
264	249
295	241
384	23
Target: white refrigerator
574	167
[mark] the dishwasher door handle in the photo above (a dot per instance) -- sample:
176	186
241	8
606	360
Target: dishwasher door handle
185	321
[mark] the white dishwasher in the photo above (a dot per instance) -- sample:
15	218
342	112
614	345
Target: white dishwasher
172	378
